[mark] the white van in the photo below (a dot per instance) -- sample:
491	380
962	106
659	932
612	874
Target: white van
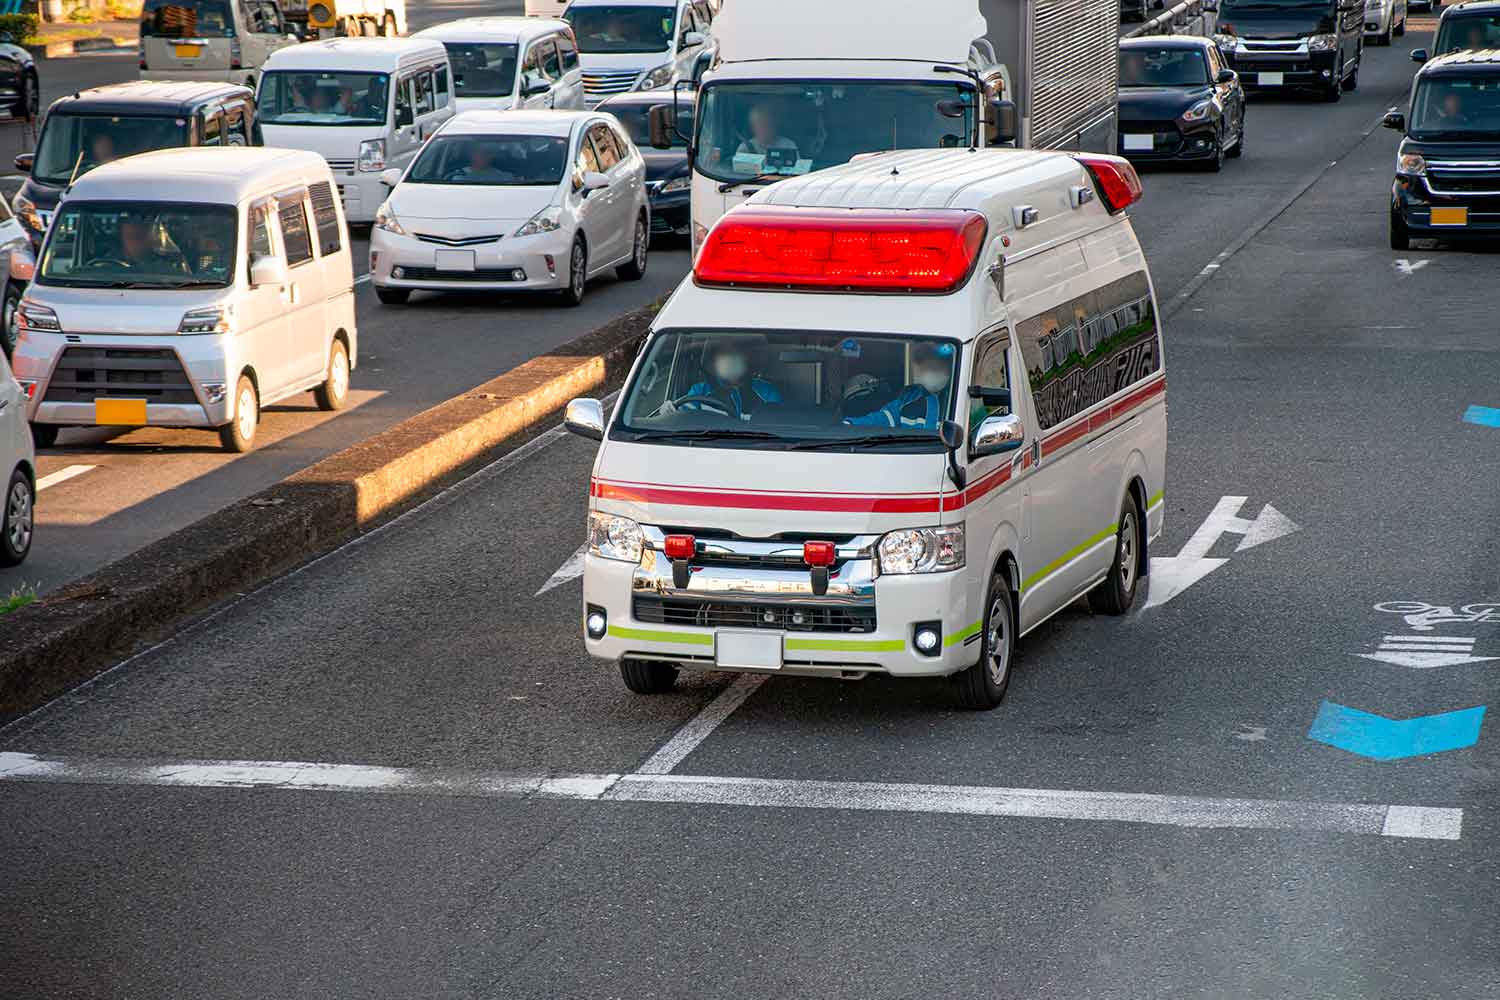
219	40
192	303
636	44
503	63
365	104
902	412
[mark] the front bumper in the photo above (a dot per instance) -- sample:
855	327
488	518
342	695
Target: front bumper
362	194
671	214
1297	69
494	264
1413	199
1170	141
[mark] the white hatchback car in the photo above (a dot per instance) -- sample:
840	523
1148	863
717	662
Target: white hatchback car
18	463
514	201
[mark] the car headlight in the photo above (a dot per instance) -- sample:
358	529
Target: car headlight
1322	43
386	219
1411	163
1198	111
922	550
213	319
655	78
1226	42
37	317
372	155
676	184
612	537
548	220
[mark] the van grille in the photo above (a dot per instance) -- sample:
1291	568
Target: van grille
85	374
785	617
345	165
481	274
458	241
601	84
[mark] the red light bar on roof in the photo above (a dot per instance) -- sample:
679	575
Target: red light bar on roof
864	250
1119	185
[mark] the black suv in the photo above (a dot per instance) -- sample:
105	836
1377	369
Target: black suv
1448	167
95	126
1293	44
1473	25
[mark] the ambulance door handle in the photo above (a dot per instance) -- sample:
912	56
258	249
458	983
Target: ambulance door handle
1036	452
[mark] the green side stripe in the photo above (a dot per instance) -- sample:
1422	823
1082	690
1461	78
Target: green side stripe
1155	500
848	645
962	634
1068	556
654	635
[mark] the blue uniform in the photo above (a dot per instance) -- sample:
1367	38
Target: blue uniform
730	395
914	408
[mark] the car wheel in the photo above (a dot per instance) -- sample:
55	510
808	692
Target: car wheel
239	434
1116	593
9	311
1400	235
334	392
636	269
648	676
1384	38
578	273
1351	82
1400	29
392	296
44	435
1216	164
982	686
20	513
30	99
1238	149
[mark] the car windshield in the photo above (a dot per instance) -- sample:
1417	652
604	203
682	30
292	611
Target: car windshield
602	29
506	160
84	142
187	19
1457	32
752	130
483	69
308	97
637	121
788	390
1455	107
1163	68
137	244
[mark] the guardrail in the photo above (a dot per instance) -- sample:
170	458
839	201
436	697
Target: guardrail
1187	18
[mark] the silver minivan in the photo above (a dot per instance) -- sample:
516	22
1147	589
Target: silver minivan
221	40
190	304
503	63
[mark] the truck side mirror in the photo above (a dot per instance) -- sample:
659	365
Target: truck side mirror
1394	120
404	116
391	176
268	270
1418	55
662	126
1001	123
1227	76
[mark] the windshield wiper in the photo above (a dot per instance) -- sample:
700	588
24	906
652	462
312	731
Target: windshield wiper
865	441
728	186
707	434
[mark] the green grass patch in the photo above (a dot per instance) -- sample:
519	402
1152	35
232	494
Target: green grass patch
18	599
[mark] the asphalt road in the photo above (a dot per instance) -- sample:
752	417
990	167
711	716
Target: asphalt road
1147	816
112	492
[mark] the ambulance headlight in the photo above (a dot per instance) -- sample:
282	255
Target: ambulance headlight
922	550
612	537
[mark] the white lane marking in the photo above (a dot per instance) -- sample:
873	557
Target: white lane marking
1405	821
62	475
701	726
362	278
570	570
1424	652
1409	267
1178	573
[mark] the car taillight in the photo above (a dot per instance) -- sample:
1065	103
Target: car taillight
1118	183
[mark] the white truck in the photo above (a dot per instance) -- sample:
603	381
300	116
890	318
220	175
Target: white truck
796	87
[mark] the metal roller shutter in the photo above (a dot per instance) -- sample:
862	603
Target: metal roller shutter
1074	67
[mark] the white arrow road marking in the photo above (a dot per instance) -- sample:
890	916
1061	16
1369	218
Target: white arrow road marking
1171	576
1410	267
62	475
1424	652
1269	525
570	570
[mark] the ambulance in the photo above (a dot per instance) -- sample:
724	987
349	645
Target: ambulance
902	412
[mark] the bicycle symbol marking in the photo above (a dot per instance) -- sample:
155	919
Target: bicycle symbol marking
1426	617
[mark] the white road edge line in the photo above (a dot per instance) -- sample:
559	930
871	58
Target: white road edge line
1370	819
701	726
62	475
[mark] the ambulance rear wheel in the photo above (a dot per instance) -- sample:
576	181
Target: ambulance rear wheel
1116	593
982	686
648	676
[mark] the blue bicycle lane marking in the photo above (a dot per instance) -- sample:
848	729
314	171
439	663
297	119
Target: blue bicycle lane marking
1380	738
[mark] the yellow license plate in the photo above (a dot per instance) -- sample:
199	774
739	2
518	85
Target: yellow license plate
1450	216
131	412
189	51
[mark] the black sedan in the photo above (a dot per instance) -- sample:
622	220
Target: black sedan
1179	102
669	182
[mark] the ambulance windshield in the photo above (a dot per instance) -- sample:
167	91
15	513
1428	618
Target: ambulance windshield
791	390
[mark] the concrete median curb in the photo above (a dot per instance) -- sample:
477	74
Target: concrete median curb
74	633
103	43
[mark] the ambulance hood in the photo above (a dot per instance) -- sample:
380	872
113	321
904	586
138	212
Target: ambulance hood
849	29
760	494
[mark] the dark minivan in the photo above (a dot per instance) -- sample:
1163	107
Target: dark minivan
1448	167
1293	44
106	123
1472	25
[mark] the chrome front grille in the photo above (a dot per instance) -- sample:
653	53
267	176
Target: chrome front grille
1480	177
84	374
607	82
458	241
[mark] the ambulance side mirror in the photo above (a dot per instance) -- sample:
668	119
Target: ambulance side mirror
585	417
1000	122
997	435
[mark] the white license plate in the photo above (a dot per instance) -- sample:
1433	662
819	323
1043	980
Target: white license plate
757	650
1140	143
1270	79
455	260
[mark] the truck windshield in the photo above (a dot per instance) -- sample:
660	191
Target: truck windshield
307	97
187	19
86	141
139	244
483	69
604	29
1459	31
782	128
791	390
1455	107
507	160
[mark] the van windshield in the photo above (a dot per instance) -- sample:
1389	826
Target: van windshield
86	141
1457	108
483	69
777	128
791	390
187	19
1459	31
604	29
139	244
308	97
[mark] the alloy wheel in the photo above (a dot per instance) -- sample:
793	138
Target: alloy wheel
997	645
245	414
18	516
1127	562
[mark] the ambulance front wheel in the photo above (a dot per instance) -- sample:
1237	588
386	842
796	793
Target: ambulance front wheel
982	686
1116	593
648	676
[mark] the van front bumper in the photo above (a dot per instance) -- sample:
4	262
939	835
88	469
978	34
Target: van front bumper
1413	200
901	603
510	263
1298	70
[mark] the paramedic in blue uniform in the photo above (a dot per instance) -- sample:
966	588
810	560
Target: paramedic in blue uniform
729	381
920	405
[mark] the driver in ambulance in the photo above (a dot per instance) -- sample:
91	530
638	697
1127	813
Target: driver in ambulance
729	381
919	405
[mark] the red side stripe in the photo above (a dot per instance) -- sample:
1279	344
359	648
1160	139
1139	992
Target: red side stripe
844	504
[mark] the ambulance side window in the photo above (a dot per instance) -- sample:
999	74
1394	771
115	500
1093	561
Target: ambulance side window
990	372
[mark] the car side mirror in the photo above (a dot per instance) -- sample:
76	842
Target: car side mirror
1227	76
1418	55
534	86
997	435
585	417
662	126
1002	122
594	181
391	176
268	270
404	117
1394	120
692	38
24	162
